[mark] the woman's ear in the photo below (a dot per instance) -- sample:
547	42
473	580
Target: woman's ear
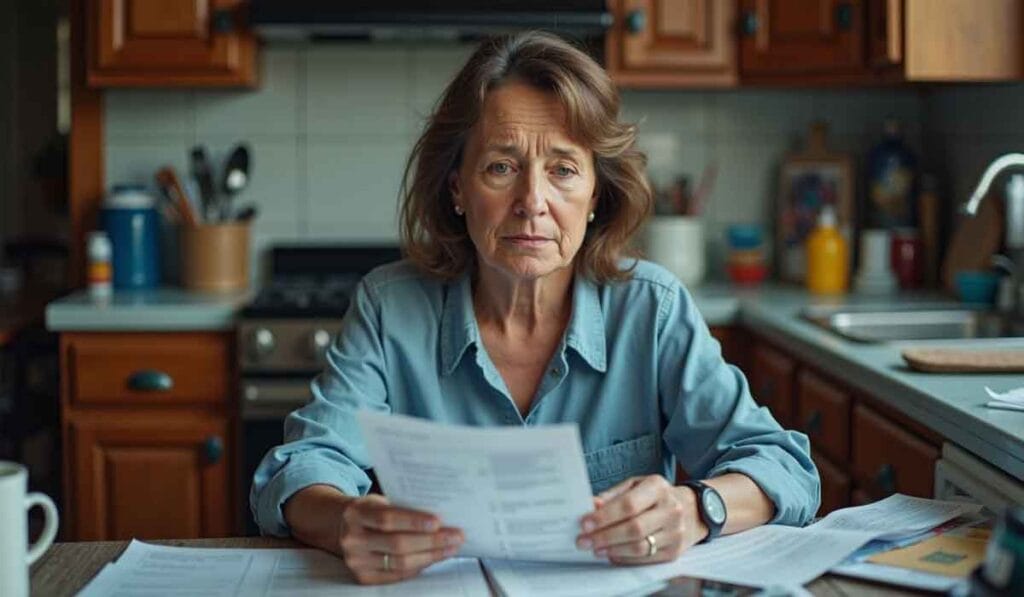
454	188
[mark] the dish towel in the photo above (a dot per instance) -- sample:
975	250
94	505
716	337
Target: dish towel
1010	400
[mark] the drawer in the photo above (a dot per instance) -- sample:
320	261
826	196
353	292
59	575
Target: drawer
771	382
835	486
824	415
888	459
135	369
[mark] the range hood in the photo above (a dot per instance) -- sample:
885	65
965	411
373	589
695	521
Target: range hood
423	19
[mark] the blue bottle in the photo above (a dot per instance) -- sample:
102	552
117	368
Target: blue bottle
891	182
130	219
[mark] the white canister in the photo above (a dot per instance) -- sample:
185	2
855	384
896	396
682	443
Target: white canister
677	243
15	554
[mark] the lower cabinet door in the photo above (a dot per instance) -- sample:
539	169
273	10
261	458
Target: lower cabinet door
149	475
835	486
889	459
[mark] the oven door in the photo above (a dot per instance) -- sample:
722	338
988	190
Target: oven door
265	403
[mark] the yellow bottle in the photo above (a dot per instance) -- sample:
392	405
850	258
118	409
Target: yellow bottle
828	256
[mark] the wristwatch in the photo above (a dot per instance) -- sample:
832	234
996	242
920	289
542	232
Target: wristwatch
711	507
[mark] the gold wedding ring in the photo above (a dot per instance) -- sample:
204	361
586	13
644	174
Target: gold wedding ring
652	545
387	562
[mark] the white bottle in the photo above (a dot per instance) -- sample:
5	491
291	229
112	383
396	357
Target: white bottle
101	271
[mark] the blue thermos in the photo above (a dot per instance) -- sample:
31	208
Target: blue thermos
131	221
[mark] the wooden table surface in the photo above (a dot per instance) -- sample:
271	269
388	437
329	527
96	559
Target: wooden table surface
67	567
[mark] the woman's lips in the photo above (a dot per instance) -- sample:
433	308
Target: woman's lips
527	240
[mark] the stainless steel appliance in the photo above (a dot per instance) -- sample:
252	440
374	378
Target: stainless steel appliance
285	331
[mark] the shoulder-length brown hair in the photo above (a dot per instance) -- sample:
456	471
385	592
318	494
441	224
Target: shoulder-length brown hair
435	237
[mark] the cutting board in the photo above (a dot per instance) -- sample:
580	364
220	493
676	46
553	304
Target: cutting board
952	360
975	241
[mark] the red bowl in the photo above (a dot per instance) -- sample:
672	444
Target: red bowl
747	274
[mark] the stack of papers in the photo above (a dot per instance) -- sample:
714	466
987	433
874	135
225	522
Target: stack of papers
1010	400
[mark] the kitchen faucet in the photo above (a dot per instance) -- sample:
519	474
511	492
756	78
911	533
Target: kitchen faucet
1014	224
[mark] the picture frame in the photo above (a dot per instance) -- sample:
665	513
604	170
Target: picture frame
808	180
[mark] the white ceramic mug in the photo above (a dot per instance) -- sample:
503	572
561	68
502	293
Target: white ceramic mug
677	243
15	555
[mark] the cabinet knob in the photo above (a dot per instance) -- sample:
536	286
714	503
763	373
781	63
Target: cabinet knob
222	21
150	380
885	480
813	425
213	447
748	24
636	21
844	16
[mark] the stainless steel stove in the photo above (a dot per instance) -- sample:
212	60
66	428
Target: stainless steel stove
284	333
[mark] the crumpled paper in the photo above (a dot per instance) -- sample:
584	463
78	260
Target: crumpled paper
1009	400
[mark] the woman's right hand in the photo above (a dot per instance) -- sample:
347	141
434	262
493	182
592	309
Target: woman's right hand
379	543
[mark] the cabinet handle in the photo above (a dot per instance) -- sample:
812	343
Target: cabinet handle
636	21
150	380
214	449
222	21
885	480
844	16
813	425
748	25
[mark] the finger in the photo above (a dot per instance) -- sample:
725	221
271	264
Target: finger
668	545
377	577
373	562
634	529
617	490
403	543
641	497
388	518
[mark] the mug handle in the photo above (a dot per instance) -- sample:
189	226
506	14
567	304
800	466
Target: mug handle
49	529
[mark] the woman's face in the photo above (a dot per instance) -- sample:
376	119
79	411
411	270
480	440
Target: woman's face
525	186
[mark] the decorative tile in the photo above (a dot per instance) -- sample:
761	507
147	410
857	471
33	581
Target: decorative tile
147	114
662	111
357	89
433	67
272	108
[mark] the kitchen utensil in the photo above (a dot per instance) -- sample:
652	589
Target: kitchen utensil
247	213
954	360
974	243
215	257
168	180
236	176
203	175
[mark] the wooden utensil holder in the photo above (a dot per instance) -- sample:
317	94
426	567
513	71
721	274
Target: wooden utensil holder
215	257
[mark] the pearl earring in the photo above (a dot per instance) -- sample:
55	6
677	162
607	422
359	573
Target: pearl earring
459	210
590	217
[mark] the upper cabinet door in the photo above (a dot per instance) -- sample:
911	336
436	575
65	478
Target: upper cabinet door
672	43
802	37
155	43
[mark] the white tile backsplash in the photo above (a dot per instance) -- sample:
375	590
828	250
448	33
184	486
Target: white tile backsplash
331	126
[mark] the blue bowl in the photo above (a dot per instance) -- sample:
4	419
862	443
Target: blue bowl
744	236
977	287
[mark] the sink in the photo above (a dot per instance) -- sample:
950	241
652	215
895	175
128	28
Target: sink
933	323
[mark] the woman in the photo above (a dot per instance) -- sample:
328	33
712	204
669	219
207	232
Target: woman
516	307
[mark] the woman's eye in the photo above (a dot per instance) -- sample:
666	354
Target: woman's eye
564	171
500	168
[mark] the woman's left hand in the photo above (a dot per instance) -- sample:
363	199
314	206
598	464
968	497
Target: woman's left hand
641	507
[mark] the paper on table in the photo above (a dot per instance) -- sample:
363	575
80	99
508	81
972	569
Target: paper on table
1010	400
159	571
896	516
771	555
516	493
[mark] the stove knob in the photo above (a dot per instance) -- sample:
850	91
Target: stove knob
319	340
252	393
262	343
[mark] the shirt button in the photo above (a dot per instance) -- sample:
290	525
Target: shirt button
555	372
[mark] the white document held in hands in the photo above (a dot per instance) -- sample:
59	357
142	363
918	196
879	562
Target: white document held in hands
516	493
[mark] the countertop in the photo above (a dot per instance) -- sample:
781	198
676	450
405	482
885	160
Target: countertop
160	310
950	404
66	567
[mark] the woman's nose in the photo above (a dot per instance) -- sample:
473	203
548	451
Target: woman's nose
532	198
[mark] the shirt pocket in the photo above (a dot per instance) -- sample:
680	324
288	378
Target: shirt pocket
620	461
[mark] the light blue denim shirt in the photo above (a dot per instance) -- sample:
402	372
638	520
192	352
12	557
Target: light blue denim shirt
636	369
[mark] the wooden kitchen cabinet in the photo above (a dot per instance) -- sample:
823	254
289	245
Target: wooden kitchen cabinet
169	43
802	37
771	382
889	459
149	431
672	43
823	411
835	485
150	477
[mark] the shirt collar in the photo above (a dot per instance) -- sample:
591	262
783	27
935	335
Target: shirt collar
585	334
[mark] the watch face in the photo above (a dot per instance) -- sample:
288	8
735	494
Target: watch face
714	506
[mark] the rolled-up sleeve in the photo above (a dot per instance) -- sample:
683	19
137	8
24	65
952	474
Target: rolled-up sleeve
713	425
322	442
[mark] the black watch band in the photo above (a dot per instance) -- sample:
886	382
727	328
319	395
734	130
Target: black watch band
711	507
